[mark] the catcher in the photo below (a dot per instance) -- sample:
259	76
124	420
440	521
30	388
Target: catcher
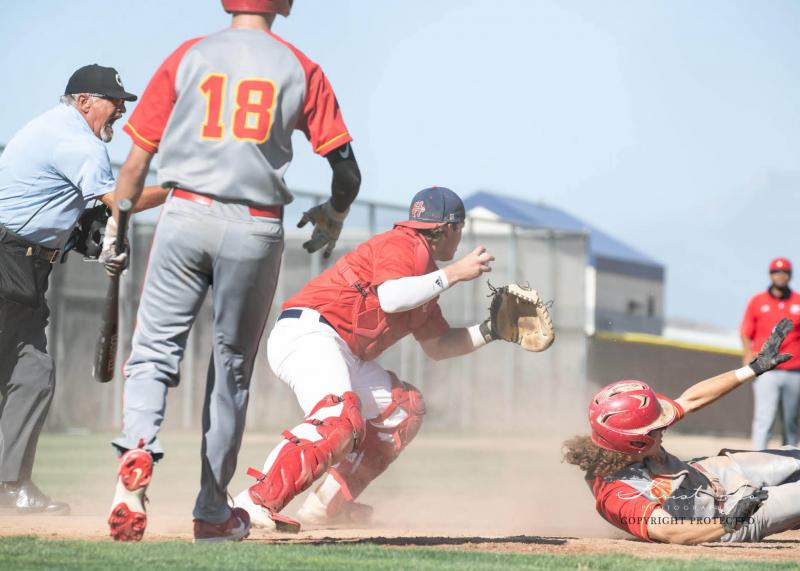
358	416
736	496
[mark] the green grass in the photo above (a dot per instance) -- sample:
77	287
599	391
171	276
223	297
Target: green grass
31	553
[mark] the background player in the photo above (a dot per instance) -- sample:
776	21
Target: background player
358	416
220	110
779	388
644	490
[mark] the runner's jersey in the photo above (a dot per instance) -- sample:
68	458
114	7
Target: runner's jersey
682	489
221	109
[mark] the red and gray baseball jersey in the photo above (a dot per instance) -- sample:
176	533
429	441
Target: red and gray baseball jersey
221	109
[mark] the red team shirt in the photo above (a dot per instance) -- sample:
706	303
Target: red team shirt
391	255
762	314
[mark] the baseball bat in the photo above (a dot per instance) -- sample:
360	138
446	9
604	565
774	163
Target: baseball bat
105	354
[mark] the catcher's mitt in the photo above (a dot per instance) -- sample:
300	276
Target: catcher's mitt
517	314
87	236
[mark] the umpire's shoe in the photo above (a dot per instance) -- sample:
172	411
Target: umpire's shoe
25	498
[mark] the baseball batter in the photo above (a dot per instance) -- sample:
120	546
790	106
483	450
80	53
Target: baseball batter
220	110
358	416
736	496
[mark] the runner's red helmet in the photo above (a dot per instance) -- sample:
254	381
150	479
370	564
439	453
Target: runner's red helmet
623	413
281	7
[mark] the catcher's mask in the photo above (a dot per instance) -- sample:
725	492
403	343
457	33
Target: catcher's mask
282	7
623	413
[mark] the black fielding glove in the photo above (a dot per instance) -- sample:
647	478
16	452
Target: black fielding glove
742	512
769	358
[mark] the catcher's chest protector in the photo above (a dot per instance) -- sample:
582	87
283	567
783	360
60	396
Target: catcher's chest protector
374	330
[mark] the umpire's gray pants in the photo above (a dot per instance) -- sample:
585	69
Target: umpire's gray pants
27	383
777	471
773	389
196	246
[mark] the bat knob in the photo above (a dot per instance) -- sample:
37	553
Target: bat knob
124	205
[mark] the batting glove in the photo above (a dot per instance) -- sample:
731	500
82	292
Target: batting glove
769	358
114	263
327	227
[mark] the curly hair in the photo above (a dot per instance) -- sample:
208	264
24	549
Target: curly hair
592	459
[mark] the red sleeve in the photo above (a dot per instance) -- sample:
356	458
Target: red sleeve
434	326
679	409
748	327
321	119
148	121
623	506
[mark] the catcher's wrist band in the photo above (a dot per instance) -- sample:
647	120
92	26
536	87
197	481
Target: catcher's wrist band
745	374
485	330
476	336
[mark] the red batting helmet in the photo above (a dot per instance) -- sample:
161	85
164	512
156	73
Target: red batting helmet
281	7
623	413
780	265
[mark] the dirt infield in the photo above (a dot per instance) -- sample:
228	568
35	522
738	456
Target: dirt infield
495	495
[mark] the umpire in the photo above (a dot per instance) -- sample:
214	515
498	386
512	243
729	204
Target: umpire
52	168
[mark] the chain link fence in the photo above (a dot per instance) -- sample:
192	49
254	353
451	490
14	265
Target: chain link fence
494	389
498	382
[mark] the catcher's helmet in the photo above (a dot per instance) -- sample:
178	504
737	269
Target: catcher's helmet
623	413
281	7
433	207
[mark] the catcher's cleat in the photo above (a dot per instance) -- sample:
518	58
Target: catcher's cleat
128	518
235	528
314	512
264	518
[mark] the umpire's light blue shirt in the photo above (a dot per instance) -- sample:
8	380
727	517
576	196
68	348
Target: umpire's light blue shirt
49	171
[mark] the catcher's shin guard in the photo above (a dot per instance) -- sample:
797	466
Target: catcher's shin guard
128	519
386	437
301	461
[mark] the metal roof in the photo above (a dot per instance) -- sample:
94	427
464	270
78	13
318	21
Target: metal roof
605	252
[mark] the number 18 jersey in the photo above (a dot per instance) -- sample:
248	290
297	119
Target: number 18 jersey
221	109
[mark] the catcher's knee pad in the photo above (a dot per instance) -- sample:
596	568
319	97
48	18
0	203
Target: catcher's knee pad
301	461
386	437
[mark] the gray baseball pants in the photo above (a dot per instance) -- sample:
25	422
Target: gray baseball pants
773	389
199	246
27	385
777	470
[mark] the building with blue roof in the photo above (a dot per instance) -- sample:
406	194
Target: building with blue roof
624	287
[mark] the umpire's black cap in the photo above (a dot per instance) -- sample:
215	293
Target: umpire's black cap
98	80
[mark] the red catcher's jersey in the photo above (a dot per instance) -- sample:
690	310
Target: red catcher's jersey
763	313
221	109
391	255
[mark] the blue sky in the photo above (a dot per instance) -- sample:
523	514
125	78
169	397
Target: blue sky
673	125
